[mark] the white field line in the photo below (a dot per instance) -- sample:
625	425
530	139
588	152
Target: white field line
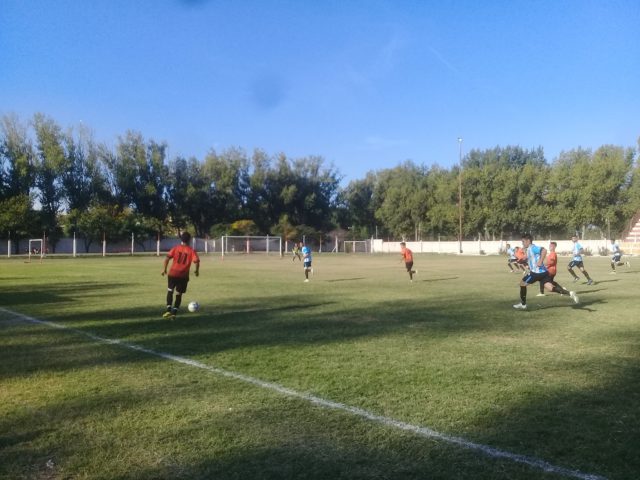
424	432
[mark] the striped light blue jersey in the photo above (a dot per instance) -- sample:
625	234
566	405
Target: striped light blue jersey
512	253
576	252
615	248
306	254
534	252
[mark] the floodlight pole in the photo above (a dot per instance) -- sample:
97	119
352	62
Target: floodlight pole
460	195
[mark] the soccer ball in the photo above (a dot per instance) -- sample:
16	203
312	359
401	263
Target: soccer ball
193	306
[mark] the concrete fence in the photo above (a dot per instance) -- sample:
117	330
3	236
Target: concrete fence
481	247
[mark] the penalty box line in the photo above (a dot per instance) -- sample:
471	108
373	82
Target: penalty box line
424	432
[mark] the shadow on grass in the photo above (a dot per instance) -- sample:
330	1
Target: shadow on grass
121	432
345	279
439	279
591	429
52	294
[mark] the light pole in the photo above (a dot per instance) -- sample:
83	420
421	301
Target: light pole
460	195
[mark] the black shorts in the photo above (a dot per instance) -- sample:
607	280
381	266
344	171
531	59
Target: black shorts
576	263
616	257
512	260
409	266
178	283
531	278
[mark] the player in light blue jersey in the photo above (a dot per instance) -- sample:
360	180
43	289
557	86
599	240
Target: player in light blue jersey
306	262
512	259
577	261
537	273
616	256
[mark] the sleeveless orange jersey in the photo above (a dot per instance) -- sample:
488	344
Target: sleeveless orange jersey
552	261
407	255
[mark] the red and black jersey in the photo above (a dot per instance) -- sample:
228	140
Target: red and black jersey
183	256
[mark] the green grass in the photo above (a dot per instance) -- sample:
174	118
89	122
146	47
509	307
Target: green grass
560	383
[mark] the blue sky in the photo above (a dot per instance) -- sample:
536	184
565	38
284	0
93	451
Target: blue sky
364	84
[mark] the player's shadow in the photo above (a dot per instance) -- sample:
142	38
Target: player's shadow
430	280
579	306
590	291
345	279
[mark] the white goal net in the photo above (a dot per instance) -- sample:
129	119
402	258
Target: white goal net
269	245
356	246
36	248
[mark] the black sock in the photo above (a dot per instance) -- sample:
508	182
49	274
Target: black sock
178	301
523	295
169	299
560	289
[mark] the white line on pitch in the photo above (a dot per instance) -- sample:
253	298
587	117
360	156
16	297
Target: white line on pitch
421	431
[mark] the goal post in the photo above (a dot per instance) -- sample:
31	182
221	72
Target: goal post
232	244
36	247
356	246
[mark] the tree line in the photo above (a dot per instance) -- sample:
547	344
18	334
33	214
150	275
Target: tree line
60	182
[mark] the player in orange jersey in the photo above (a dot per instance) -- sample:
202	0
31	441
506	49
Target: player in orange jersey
552	262
407	257
521	258
183	256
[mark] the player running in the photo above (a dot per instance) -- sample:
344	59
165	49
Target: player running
183	256
513	259
616	256
306	261
537	273
578	251
407	257
521	258
551	264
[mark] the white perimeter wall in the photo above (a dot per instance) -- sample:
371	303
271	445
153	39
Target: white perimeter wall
483	247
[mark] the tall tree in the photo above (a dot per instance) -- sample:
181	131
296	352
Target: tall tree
138	175
17	218
442	188
401	198
17	158
303	189
356	206
83	178
50	166
589	188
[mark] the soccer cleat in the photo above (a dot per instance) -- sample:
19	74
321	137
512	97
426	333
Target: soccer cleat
613	272
541	295
574	297
167	314
628	264
520	306
306	280
575	279
590	282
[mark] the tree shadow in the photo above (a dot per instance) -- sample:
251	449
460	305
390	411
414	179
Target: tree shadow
52	294
565	434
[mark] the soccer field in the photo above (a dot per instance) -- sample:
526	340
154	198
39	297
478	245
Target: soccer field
356	374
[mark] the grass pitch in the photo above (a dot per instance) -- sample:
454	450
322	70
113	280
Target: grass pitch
558	383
